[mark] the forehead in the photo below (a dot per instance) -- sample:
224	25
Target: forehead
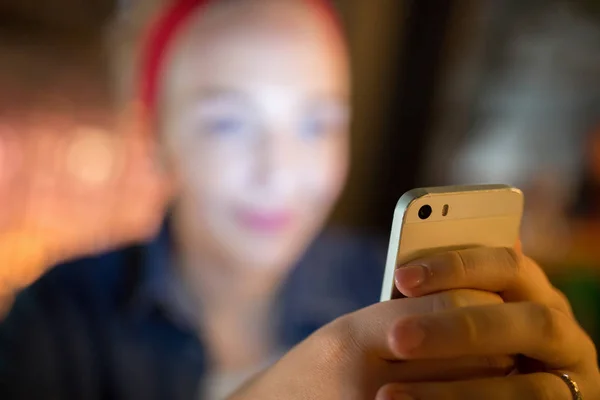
258	43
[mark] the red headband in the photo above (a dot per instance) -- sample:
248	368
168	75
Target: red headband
161	34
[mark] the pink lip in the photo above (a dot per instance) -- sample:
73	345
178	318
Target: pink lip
267	222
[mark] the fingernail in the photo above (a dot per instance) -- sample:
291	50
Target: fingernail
407	336
402	396
387	394
410	277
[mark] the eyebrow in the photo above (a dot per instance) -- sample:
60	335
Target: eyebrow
207	93
216	92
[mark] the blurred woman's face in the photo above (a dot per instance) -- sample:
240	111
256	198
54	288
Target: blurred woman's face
254	120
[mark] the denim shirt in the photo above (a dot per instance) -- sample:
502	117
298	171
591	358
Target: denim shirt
103	328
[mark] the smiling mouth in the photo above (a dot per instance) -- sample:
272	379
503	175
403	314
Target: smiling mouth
264	221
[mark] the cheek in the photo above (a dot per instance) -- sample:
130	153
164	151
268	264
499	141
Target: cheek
208	174
324	176
215	179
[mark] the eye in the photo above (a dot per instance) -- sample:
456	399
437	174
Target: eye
313	127
225	125
222	116
324	120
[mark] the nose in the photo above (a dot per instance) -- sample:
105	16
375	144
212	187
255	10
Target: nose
276	164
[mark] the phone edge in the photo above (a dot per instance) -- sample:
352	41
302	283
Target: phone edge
387	287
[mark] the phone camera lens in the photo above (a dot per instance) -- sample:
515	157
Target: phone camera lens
425	212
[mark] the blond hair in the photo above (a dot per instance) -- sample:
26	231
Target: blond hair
126	37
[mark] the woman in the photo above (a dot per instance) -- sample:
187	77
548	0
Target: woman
244	113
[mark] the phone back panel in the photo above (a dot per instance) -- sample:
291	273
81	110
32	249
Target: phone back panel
461	217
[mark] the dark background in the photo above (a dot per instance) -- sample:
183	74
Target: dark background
398	49
402	51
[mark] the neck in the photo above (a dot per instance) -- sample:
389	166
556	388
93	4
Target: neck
221	287
236	317
233	307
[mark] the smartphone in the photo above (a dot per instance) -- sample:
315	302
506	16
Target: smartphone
438	219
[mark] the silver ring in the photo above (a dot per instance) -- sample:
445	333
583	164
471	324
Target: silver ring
573	387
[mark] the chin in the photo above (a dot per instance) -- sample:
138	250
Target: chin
272	255
262	262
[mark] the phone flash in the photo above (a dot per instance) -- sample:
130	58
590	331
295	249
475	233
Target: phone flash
445	210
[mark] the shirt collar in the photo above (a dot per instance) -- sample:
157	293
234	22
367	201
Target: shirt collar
158	289
312	296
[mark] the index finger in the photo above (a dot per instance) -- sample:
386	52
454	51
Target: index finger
501	270
369	328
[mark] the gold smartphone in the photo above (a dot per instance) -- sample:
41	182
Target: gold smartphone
432	220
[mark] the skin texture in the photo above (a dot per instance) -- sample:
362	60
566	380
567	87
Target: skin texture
392	350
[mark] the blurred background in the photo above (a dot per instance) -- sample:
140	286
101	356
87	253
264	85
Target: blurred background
446	92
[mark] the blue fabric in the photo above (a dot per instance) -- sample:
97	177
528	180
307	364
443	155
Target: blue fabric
98	328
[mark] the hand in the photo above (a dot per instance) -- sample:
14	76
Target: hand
351	358
70	192
536	322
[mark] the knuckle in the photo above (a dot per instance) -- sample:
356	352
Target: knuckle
468	263
339	339
454	299
558	331
563	302
515	260
461	264
449	300
331	346
549	322
589	349
469	328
